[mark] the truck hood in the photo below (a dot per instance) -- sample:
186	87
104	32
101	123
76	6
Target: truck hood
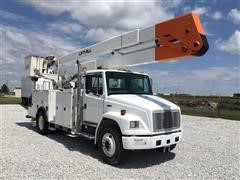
148	102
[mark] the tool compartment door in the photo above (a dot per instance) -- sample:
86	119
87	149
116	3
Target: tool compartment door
64	108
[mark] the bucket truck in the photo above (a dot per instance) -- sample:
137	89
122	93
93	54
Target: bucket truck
109	104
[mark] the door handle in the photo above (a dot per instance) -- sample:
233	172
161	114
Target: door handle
85	106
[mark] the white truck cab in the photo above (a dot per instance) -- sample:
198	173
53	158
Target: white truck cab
116	108
145	121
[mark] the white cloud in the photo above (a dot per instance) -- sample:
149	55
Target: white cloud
66	27
12	16
234	15
108	17
232	45
204	11
217	15
16	44
25	42
49	7
109	13
100	34
215	74
200	10
217	80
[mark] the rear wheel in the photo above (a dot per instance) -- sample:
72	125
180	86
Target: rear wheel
110	145
24	101
42	123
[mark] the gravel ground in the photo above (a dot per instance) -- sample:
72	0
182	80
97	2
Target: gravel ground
209	150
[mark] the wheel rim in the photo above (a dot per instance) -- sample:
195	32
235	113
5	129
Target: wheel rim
108	144
41	122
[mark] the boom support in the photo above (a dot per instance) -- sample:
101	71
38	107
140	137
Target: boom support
176	38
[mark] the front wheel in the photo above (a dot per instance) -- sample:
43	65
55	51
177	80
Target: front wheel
110	145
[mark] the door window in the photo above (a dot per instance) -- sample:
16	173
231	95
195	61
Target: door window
94	84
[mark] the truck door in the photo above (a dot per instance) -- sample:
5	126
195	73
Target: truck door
93	98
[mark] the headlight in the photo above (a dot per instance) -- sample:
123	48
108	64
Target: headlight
134	124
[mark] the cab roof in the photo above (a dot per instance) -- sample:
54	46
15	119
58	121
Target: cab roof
114	70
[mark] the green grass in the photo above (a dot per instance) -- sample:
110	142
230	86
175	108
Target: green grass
226	107
222	113
10	100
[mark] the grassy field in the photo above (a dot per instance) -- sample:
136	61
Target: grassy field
10	100
209	106
223	113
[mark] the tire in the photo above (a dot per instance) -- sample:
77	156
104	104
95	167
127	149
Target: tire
42	123
166	149
110	145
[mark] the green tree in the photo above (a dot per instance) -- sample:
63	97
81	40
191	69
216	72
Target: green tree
4	89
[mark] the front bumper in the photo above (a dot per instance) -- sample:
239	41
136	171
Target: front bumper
151	142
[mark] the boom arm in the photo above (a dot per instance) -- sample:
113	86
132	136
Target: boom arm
173	39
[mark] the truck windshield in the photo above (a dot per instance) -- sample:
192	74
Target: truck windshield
127	83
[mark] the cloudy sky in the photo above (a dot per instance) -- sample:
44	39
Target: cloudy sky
43	27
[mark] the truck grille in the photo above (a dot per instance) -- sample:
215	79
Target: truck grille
166	120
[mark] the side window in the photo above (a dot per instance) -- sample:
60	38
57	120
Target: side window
94	84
